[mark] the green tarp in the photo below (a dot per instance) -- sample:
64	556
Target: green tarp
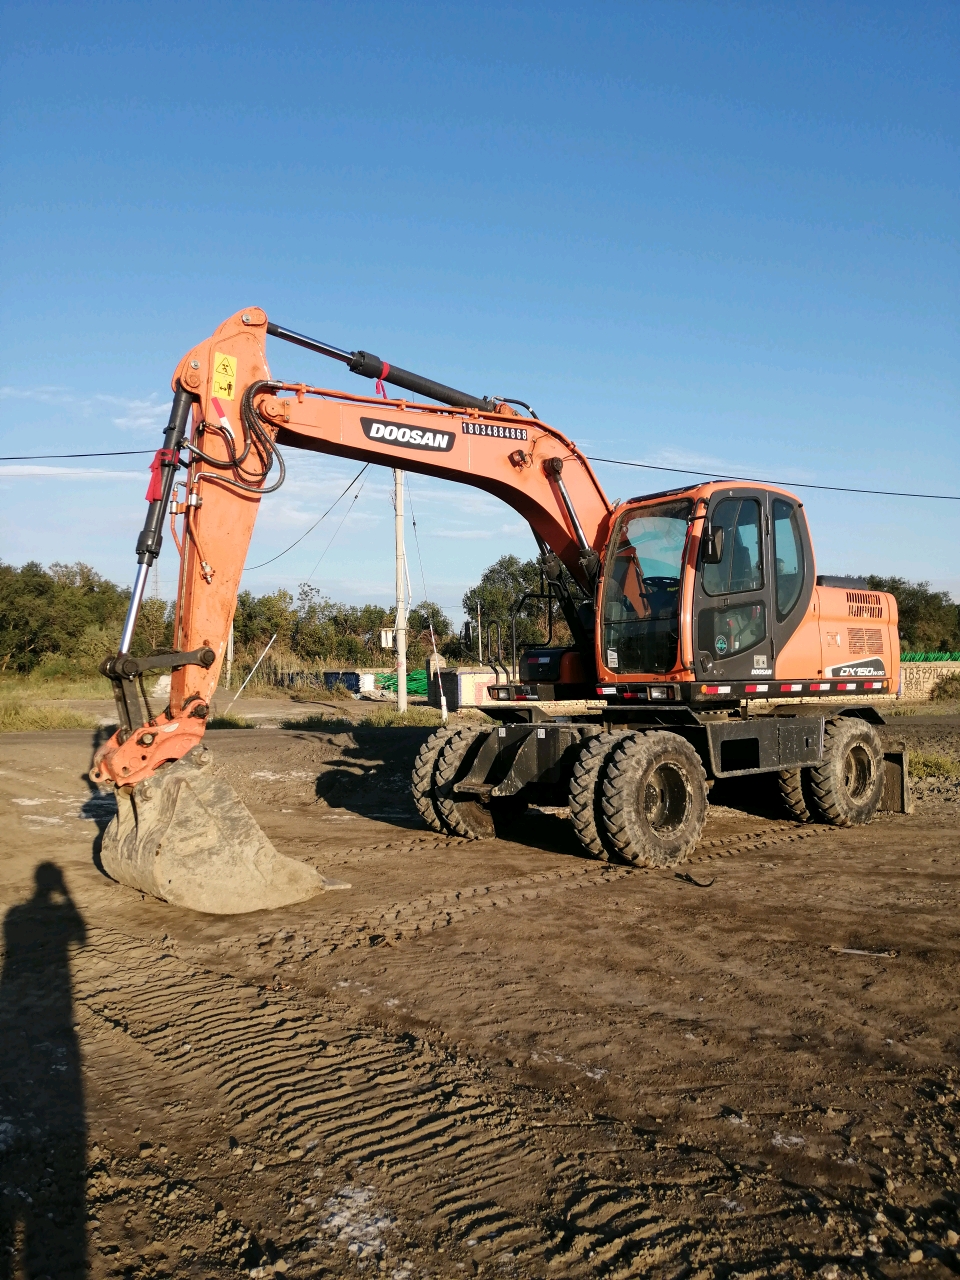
416	683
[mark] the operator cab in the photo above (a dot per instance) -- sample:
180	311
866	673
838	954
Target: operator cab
707	583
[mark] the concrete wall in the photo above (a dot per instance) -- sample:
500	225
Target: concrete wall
462	686
918	678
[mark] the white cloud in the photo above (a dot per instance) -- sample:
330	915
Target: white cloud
137	415
23	471
126	412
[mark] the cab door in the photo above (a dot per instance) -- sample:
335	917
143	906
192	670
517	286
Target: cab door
733	605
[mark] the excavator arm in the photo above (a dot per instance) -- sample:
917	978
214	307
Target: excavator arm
228	417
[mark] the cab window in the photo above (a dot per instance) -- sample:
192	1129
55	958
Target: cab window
788	554
641	594
741	567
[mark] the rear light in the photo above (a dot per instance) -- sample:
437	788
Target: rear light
846	688
819	688
603	689
757	688
714	688
660	694
874	684
790	688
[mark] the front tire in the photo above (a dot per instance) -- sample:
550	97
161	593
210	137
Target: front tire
846	786
422	778
462	815
795	791
586	794
654	799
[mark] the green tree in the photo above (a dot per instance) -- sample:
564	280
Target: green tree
154	625
422	615
51	615
498	593
499	589
929	620
257	618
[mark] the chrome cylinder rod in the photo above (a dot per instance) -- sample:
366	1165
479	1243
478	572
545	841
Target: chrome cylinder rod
133	610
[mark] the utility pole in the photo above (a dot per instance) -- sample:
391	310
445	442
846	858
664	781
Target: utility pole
400	626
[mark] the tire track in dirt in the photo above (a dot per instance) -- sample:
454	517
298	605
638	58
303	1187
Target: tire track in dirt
488	1176
415	917
403	920
461	1156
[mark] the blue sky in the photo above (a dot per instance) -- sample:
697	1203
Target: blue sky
718	236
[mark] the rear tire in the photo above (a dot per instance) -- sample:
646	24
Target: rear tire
586	795
654	799
846	787
795	790
421	781
463	816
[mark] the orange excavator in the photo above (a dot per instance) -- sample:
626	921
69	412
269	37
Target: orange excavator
704	646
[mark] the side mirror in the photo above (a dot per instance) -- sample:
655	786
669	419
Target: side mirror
712	552
468	636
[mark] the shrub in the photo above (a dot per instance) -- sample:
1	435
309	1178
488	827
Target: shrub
947	688
229	721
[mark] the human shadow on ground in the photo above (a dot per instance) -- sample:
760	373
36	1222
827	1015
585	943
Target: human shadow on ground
42	1115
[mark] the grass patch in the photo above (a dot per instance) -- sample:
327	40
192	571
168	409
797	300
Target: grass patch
340	693
229	722
923	765
22	717
57	688
418	717
381	718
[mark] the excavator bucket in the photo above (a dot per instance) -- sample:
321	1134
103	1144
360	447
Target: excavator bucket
184	836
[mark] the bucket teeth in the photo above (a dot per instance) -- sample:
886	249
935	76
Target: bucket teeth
185	836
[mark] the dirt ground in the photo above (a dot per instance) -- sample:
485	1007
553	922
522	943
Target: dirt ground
497	1058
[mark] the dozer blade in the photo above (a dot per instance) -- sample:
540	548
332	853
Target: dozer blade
185	836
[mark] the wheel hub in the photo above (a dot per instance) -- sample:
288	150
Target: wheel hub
857	772
664	795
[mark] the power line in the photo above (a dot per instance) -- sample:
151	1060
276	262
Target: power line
614	462
337	529
787	484
38	457
313	526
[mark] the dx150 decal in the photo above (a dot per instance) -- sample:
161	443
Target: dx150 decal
407	437
858	667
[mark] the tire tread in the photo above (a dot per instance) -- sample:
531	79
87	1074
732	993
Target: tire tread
586	794
421	779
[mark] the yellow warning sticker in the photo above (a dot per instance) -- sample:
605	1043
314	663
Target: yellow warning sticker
224	375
